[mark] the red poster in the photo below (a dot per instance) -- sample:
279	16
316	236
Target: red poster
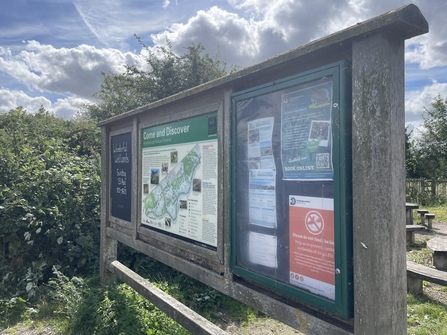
312	265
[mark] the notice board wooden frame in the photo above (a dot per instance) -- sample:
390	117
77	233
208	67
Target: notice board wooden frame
375	48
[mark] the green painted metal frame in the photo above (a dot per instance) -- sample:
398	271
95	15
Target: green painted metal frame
341	125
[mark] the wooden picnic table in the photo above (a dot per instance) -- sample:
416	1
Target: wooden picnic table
438	246
409	212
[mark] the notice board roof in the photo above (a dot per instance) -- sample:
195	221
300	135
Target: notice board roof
405	22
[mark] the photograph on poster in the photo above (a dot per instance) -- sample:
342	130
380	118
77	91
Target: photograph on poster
311	239
180	160
306	147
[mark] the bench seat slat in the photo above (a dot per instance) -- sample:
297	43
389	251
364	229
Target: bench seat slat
413	227
425	273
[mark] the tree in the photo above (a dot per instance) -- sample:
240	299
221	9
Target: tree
168	74
432	145
410	155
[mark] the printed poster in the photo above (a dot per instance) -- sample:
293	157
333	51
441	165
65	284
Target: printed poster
306	146
262	198
260	151
262	176
312	264
179	178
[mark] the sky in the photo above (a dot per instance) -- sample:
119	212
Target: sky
52	52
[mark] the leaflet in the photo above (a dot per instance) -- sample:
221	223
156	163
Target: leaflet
262	249
260	151
262	198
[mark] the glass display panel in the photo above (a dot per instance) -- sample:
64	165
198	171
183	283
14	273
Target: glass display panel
284	187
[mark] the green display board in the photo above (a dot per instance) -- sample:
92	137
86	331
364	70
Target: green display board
179	179
291	191
121	177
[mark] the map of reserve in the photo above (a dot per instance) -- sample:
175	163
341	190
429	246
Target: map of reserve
164	199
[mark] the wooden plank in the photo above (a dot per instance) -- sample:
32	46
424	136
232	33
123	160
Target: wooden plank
378	112
189	319
425	273
414	227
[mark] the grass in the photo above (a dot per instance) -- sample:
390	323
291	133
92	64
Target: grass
439	211
83	306
426	316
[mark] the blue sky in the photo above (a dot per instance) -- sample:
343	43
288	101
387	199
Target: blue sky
52	52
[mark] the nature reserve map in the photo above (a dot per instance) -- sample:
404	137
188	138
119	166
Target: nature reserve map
164	199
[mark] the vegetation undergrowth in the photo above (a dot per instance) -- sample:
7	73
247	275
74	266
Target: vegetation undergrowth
83	306
426	316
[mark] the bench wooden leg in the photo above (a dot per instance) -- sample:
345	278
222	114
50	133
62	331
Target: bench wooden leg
430	224
440	261
414	285
410	237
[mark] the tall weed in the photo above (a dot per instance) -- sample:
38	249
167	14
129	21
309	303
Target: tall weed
91	308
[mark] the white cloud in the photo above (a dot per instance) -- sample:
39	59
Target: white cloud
236	37
416	101
66	70
430	50
114	21
258	29
64	107
12	99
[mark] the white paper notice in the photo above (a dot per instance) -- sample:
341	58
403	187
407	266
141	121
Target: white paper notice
262	195
260	152
262	249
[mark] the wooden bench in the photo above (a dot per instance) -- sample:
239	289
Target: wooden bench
422	213
416	273
438	246
430	218
411	229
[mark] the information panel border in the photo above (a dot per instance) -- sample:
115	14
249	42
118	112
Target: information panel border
341	303
127	178
171	242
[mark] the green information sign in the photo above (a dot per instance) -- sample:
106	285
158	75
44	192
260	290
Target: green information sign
179	179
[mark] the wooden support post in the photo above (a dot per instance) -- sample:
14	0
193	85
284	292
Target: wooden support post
378	157
414	285
108	246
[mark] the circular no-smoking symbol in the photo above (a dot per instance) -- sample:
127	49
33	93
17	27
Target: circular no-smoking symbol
314	222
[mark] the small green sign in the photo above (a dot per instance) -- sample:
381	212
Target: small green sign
195	129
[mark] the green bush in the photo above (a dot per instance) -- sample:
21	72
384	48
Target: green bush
49	199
